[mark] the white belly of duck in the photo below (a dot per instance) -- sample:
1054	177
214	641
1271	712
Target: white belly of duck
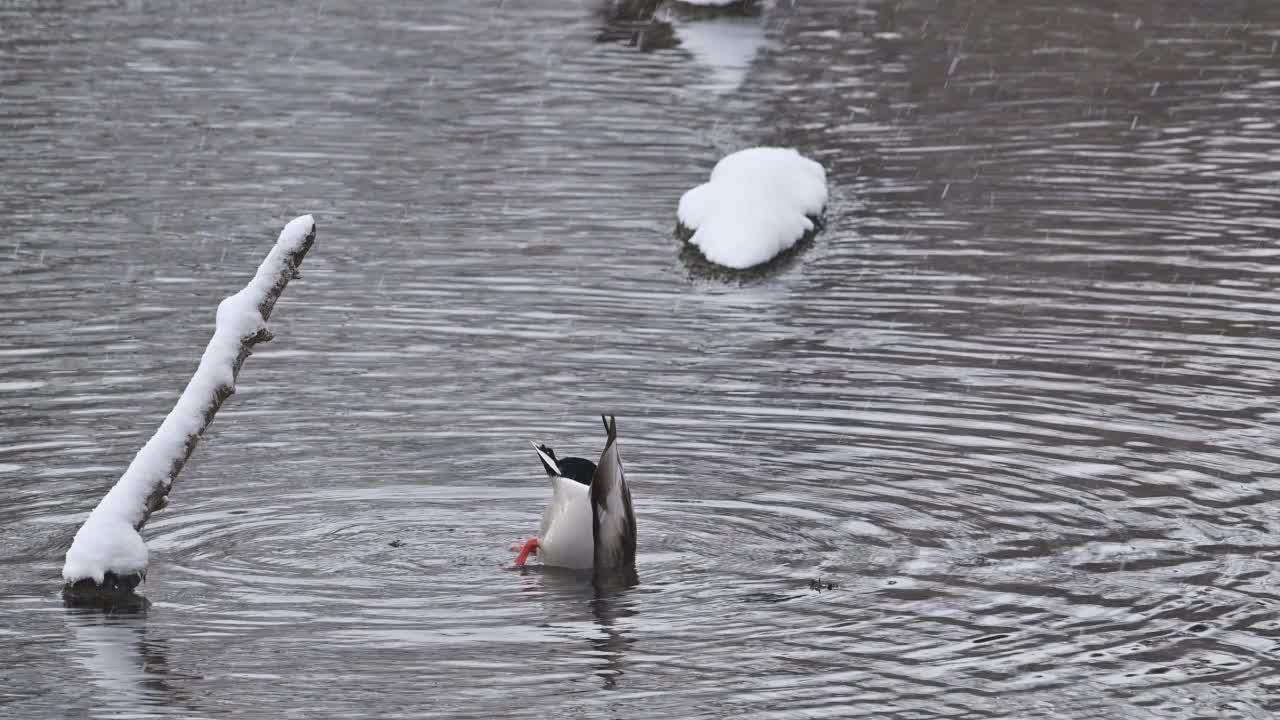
565	538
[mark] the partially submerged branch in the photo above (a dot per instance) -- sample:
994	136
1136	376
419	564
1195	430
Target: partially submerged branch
108	557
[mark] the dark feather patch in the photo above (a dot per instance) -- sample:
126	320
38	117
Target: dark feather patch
577	469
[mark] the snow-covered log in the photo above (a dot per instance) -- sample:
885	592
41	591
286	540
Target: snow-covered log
108	557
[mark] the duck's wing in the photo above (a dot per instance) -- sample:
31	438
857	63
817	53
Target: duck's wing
613	524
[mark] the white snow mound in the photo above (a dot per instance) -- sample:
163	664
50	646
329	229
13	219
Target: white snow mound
108	540
757	204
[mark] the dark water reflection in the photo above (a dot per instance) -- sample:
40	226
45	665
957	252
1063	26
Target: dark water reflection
1017	400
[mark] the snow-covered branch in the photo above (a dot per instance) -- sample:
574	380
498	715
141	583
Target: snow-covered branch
108	556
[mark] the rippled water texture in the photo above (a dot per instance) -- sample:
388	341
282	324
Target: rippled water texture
1017	401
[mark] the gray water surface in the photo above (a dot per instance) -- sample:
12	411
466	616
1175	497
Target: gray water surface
1018	400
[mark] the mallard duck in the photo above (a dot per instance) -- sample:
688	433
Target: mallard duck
589	523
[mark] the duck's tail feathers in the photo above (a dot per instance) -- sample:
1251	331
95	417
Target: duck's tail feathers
613	523
548	458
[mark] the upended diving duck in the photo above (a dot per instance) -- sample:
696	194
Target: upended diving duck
589	523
